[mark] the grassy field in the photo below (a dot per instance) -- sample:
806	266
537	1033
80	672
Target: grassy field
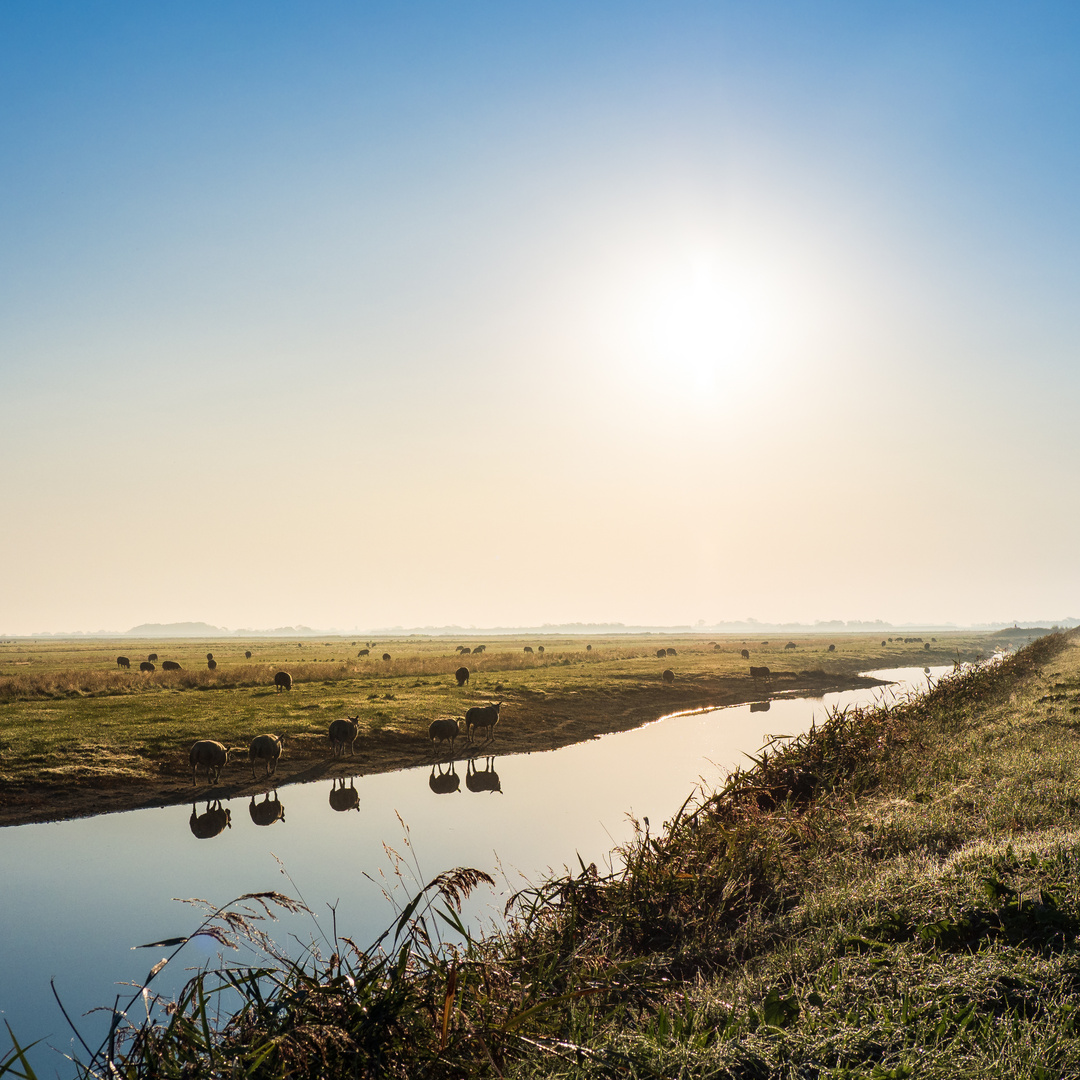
68	714
895	894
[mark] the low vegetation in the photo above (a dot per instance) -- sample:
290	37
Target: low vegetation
897	893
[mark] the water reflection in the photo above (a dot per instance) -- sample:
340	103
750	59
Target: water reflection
213	820
485	779
344	798
268	811
442	783
760	706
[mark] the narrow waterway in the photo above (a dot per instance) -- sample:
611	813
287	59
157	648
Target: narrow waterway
78	896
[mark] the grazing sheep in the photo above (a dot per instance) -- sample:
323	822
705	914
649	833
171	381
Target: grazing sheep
482	716
266	812
668	676
462	676
344	732
588	648
267	749
759	672
539	648
465	650
364	652
883	644
386	656
283	681
745	654
486	779
170	665
528	648
479	649
212	756
791	645
661	653
344	798
443	729
147	666
671	652
247	655
216	819
459	648
211	664
123	661
444	783
152	657
832	648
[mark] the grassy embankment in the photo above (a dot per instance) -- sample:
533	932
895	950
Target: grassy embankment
895	894
78	735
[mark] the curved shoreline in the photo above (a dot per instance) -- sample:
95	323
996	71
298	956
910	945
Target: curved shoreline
533	723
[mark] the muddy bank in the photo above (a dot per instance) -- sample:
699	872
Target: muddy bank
531	721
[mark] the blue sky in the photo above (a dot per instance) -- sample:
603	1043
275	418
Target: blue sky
356	314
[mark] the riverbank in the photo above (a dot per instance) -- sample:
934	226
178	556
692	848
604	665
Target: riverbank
128	771
896	893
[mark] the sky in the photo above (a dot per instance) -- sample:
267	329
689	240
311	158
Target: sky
356	315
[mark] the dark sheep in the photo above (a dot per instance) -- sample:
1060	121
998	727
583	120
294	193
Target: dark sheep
791	645
883	644
661	653
147	666
342	733
267	749
364	652
247	655
209	656
170	665
213	756
462	676
832	648
539	648
745	654
123	661
443	729
668	676
465	651
671	652
479	649
759	672
588	648
386	656
283	681
152	657
528	648
211	664
482	716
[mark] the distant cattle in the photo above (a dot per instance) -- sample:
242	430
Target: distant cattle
283	681
216	819
386	656
170	665
444	783
462	676
668	676
344	798
266	812
528	648
482	716
123	661
486	779
745	654
147	666
364	652
661	653
759	672
343	733
211	664
152	657
443	729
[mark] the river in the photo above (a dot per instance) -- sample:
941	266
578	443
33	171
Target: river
79	896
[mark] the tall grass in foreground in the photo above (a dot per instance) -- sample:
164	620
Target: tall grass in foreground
806	919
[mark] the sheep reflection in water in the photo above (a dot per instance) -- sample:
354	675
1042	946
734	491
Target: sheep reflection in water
344	798
268	811
442	783
760	706
215	819
485	779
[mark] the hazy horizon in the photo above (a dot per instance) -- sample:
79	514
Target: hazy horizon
402	314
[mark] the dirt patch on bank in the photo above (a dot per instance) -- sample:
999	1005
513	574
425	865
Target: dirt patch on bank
531	721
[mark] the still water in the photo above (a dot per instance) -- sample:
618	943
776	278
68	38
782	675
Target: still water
77	896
